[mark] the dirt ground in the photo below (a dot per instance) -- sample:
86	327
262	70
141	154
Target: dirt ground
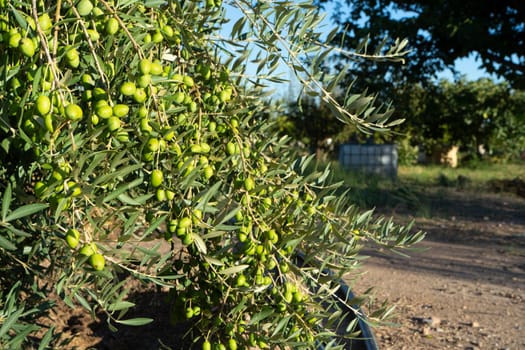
466	290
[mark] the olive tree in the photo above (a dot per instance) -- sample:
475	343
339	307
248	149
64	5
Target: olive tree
131	150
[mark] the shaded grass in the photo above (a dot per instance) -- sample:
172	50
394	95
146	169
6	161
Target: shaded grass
472	177
419	188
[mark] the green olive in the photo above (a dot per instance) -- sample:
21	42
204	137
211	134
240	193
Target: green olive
112	26
157	177
97	261
84	7
27	47
128	88
72	238
120	110
73	112
43	105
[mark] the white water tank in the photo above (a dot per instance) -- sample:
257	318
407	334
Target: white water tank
378	159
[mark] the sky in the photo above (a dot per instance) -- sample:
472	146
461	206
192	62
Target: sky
468	66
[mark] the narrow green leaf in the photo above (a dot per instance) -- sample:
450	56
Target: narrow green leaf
234	269
6	201
118	173
284	321
258	317
123	188
18	232
155	224
9	322
25	211
124	198
83	301
213	261
199	243
121	305
46	339
6	244
139	321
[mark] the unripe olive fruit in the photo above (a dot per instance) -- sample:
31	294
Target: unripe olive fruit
120	110
111	26
27	47
84	7
196	310
72	238
43	105
123	136
143	112
97	261
45	22
144	126
74	63
161	194
206	345
178	97
168	135
184	222
205	71
128	88
241	281
140	95
232	344
249	184
104	111
157	37
93	34
14	39
153	144
144	80
156	177
172	225
40	188
156	68
88	249
100	94
113	123
205	148
73	112
180	232
48	123
196	148
187	239
230	148
88	80
225	95
71	53
167	31
188	81
208	172
145	66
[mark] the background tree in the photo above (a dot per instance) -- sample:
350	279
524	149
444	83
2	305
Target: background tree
471	114
439	32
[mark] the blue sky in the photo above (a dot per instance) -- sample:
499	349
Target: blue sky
468	66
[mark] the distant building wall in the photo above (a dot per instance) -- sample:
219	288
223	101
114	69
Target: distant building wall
378	159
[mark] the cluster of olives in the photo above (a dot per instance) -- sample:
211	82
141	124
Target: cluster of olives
173	112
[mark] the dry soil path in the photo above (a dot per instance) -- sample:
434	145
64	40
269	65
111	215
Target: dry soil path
467	289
